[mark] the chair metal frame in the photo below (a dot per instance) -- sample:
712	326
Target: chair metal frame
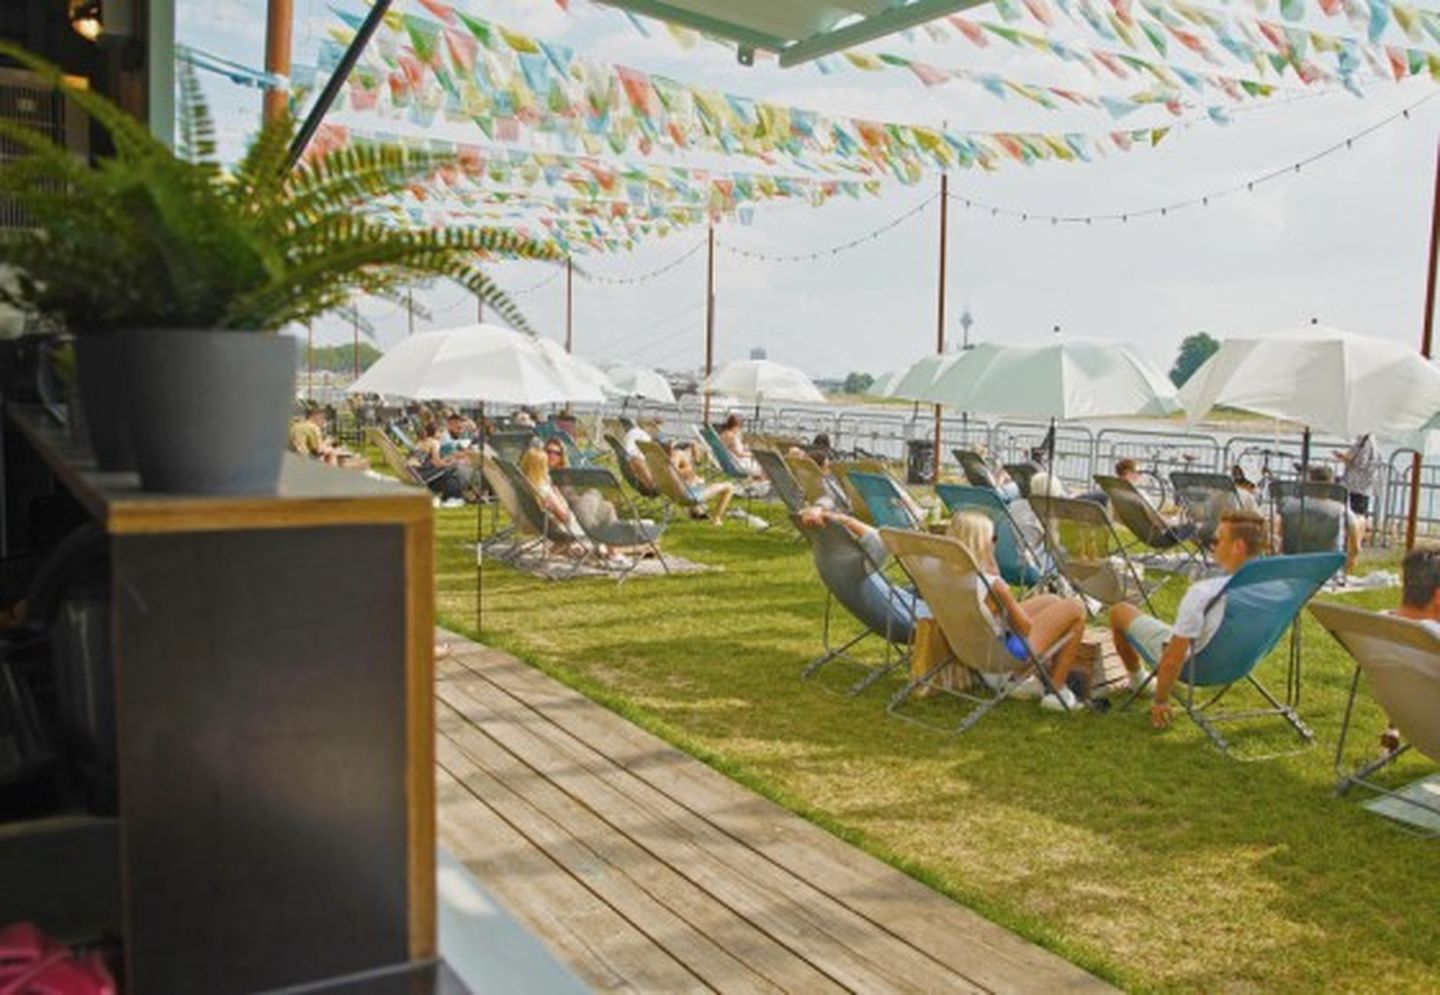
1088	514
1221	664
1146	524
573	480
1345	620
965	629
871	673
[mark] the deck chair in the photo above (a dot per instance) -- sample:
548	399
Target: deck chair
855	581
816	486
886	501
1205	497
1086	549
607	516
510	446
1262	600
442	480
841	472
530	518
977	472
953	588
519	535
1022	474
1148	526
662	471
1021	561
745	484
782	482
1401	659
643	487
1312	515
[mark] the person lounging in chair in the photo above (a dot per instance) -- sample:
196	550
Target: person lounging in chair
1419	602
1041	619
1240	537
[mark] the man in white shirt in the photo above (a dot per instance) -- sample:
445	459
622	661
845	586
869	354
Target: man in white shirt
1241	536
634	435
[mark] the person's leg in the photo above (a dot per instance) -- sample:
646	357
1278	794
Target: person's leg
1121	616
1057	620
725	492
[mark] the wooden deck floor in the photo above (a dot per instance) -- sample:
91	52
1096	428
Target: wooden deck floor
644	870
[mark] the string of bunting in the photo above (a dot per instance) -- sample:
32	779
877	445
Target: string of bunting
834	250
505	81
1202	200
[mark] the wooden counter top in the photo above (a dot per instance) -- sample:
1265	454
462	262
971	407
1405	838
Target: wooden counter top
311	494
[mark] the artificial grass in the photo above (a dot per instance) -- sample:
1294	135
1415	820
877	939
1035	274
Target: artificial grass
1146	857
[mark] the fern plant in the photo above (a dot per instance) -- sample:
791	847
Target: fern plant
151	238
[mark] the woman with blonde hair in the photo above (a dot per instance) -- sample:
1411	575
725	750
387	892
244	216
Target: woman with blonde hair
535	464
1041	620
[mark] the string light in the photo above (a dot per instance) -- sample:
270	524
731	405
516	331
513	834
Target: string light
620	281
1203	200
834	250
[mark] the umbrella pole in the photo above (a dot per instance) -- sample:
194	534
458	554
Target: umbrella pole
1426	340
940	311
479	534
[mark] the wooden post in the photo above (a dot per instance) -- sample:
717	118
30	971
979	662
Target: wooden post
940	309
279	26
709	320
569	305
1426	342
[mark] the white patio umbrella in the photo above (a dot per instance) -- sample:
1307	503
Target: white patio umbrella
574	368
1073	378
920	375
761	380
1324	378
638	381
884	384
472	362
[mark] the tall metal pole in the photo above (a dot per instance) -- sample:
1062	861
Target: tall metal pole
940	308
410	310
309	361
1426	342
279	28
355	350
709	319
569	305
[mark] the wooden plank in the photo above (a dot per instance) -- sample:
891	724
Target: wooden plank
795	912
726	951
606	951
973	946
420	733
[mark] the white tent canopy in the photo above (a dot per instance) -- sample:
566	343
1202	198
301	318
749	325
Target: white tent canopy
1324	378
1072	378
920	376
473	362
760	380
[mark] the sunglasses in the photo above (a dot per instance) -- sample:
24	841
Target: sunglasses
554	452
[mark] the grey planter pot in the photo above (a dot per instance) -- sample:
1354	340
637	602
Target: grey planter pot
103	382
210	411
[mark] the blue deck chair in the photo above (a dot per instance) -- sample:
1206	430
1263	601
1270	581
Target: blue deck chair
745	483
886	501
1020	562
1262	600
855	581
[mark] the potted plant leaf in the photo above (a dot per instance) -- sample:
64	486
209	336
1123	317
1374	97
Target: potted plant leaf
166	266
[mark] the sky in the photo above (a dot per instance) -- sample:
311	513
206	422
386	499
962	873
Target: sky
1344	240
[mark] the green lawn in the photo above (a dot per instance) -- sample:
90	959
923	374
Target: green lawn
1146	857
